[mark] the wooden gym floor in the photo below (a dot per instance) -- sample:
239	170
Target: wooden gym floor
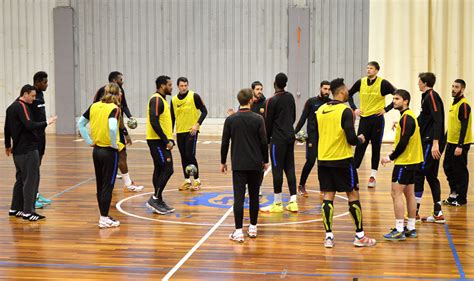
192	243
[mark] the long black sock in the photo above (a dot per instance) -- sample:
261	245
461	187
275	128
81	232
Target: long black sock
328	212
356	212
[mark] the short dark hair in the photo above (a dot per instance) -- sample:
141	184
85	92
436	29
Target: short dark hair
280	80
462	82
336	84
428	78
114	75
374	64
161	80
244	96
324	82
39	76
255	84
182	79
26	89
404	94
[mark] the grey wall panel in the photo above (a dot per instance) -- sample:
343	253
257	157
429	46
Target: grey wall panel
26	46
64	69
339	40
220	45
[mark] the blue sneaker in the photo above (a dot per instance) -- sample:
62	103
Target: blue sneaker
43	200
410	233
38	205
394	235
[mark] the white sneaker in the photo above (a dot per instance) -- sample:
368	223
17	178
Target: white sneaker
134	188
237	237
108	222
252	231
329	242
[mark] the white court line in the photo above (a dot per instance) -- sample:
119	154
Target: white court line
203	239
78	140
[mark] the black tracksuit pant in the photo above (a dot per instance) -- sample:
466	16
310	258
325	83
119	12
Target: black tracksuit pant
311	152
253	180
187	150
27	182
372	127
105	164
163	163
429	170
457	172
283	159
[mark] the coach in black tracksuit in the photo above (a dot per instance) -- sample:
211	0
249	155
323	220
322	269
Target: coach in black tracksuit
249	154
309	115
22	129
431	122
280	115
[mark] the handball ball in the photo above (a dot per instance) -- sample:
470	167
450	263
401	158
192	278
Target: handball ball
191	170
132	123
301	136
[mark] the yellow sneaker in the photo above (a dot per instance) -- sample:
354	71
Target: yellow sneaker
185	186
292	206
273	208
196	186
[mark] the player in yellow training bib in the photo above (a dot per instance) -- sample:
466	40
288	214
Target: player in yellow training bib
372	91
407	156
459	142
187	114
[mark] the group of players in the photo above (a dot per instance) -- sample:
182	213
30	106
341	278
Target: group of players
419	143
110	137
260	131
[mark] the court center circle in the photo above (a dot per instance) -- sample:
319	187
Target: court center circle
121	210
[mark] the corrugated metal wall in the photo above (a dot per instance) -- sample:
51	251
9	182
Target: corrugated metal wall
26	46
340	31
220	45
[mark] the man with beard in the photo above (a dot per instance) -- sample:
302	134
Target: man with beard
459	142
259	100
159	136
407	157
335	134
309	114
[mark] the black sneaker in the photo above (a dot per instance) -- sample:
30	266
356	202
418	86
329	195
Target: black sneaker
449	200
33	217
410	233
457	203
156	206
13	213
170	210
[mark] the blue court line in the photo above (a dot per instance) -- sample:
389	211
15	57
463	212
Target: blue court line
455	253
72	187
137	269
